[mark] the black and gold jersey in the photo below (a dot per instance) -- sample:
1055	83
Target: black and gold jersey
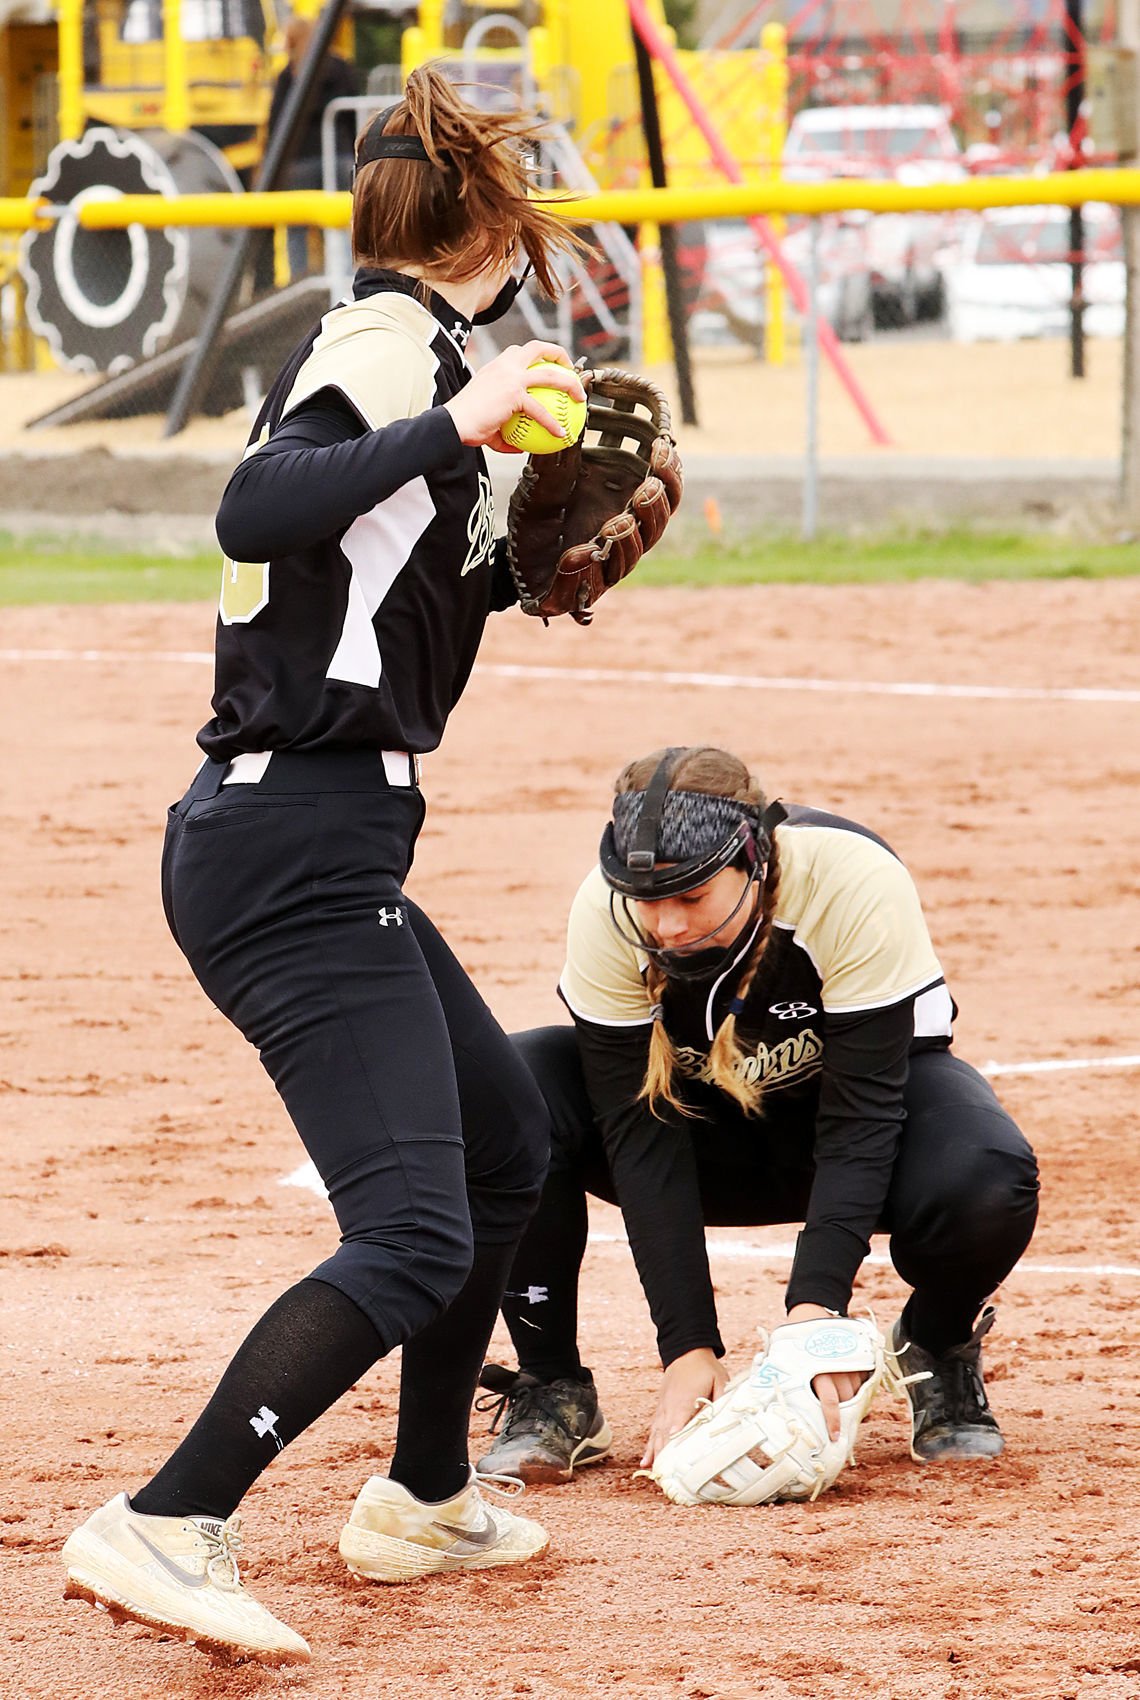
359	533
848	988
848	937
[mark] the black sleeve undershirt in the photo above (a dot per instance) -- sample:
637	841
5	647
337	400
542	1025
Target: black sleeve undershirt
320	470
654	1172
860	1116
654	1169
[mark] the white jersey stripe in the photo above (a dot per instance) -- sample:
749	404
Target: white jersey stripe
378	547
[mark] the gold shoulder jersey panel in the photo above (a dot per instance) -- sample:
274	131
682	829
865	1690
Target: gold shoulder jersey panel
602	980
378	354
854	909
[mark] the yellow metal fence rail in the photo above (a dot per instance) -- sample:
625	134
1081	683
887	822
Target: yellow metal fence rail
624	206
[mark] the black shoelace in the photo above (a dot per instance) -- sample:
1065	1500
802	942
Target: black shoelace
519	1402
957	1392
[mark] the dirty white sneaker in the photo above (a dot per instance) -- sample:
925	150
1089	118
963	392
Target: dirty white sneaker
179	1575
392	1536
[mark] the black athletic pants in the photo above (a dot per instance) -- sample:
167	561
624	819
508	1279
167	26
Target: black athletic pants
419	1115
960	1211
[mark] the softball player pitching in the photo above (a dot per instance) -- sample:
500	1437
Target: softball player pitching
362	568
761	1034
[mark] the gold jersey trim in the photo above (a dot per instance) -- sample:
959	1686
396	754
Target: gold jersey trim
377	353
851	906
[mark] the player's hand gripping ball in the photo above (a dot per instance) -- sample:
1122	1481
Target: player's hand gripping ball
525	433
580	521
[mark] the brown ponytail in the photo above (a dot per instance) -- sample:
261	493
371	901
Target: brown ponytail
720	775
465	209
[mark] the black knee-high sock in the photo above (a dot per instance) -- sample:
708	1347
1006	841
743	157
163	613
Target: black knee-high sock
541	1301
305	1352
438	1380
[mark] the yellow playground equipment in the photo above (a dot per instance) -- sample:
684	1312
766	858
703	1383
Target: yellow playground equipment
109	97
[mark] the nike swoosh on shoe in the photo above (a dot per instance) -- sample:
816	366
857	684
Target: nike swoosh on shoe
173	1570
484	1537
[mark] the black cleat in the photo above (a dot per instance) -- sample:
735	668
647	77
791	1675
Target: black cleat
549	1428
950	1415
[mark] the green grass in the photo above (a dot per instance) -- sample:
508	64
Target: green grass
40	569
899	557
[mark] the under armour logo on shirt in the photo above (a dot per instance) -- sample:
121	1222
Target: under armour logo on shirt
263	1423
386	915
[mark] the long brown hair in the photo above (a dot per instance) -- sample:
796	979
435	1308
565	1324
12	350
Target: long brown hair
719	774
468	208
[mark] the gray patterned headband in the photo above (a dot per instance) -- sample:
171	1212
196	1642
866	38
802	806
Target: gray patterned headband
693	823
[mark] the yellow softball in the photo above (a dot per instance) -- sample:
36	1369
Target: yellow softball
523	432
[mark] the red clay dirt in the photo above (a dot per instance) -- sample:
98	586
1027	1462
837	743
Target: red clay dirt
146	1228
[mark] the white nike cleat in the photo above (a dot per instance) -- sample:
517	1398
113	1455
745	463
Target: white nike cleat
178	1575
392	1536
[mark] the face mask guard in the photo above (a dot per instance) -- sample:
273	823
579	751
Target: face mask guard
641	876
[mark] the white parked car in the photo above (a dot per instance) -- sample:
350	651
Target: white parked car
912	144
1013	278
917	139
732	305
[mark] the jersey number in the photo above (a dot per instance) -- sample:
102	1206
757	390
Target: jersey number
245	591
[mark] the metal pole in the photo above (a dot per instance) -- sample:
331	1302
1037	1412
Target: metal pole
657	44
1128	39
202	364
811	368
674	296
1074	101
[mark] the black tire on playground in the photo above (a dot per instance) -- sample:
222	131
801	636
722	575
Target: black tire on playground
105	299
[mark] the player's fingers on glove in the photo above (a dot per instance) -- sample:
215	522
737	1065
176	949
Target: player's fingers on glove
825	1389
832	1391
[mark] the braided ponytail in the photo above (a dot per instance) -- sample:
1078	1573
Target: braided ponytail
657	1087
715	771
725	1055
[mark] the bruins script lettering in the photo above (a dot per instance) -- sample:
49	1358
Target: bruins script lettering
774	1066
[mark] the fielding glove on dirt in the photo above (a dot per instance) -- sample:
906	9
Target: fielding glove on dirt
766	1437
581	519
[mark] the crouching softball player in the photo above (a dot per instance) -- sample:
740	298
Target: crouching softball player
363	568
762	1034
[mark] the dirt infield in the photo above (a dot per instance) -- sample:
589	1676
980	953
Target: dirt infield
145	1225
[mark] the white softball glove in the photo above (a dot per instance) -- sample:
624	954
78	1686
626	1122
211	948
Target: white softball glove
766	1438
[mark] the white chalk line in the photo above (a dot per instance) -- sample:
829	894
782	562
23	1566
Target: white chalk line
308	1180
843	687
643	676
1055	1065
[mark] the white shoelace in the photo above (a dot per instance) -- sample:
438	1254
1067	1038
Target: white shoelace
223	1540
509	1487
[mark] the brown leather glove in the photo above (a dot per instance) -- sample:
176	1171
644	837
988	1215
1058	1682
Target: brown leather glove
580	519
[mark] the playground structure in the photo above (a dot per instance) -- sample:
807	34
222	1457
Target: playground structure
109	302
103	305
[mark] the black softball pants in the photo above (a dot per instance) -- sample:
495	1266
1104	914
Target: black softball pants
423	1122
960	1211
